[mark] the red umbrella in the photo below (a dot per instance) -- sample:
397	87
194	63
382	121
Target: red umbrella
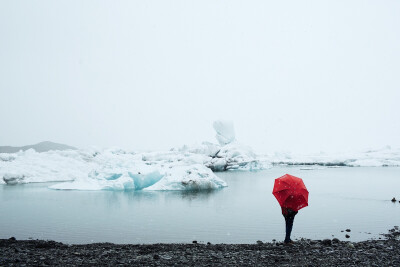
291	192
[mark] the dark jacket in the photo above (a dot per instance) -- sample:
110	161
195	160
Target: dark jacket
288	212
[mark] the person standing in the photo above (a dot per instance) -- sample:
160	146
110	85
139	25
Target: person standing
289	218
292	195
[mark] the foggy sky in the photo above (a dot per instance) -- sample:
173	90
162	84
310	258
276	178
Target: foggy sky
303	76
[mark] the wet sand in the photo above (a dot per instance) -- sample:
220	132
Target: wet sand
305	252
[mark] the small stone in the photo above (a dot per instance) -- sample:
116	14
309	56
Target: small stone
166	257
156	257
347	236
273	240
259	242
327	242
393	199
335	240
12	238
194	241
348	230
350	245
208	243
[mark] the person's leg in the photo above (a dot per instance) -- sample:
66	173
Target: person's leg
289	226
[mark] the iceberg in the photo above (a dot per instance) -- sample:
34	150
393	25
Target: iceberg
189	178
192	177
225	132
235	156
185	168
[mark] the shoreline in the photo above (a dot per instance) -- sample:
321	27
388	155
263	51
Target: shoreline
305	252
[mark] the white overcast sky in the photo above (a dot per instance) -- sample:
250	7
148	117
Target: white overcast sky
292	75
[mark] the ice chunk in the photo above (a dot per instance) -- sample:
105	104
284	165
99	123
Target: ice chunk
235	156
10	178
225	132
194	177
176	177
7	157
145	180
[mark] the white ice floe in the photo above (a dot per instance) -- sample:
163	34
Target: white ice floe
369	158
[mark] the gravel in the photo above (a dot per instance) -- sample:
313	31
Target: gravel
384	252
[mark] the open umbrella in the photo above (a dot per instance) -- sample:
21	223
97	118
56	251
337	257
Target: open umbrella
291	192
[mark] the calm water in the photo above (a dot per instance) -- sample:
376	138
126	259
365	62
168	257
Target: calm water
244	212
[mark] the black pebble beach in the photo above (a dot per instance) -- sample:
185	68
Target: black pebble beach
381	252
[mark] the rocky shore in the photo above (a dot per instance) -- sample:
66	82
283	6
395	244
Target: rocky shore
305	252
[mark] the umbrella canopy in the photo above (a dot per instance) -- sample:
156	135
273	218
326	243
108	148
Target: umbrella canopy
291	192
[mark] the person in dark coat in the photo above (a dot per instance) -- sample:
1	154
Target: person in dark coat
289	218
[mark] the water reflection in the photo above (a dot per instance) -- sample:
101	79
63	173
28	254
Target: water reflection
202	195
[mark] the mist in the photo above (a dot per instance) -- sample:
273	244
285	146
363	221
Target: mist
294	76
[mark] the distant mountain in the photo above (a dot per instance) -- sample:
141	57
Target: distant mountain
40	147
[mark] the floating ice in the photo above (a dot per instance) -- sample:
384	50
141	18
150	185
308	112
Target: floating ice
370	158
234	156
225	132
185	168
30	166
193	177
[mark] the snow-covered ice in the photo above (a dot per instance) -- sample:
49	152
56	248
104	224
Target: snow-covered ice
184	168
368	158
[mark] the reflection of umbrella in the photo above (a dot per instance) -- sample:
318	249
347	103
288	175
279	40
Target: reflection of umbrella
291	192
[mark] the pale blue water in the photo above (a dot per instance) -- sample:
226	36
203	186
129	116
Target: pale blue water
244	212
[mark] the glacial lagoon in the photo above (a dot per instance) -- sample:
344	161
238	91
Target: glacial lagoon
355	198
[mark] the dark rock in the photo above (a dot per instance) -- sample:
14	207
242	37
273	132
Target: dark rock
348	230
194	241
394	199
347	236
12	238
305	252
259	242
327	242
